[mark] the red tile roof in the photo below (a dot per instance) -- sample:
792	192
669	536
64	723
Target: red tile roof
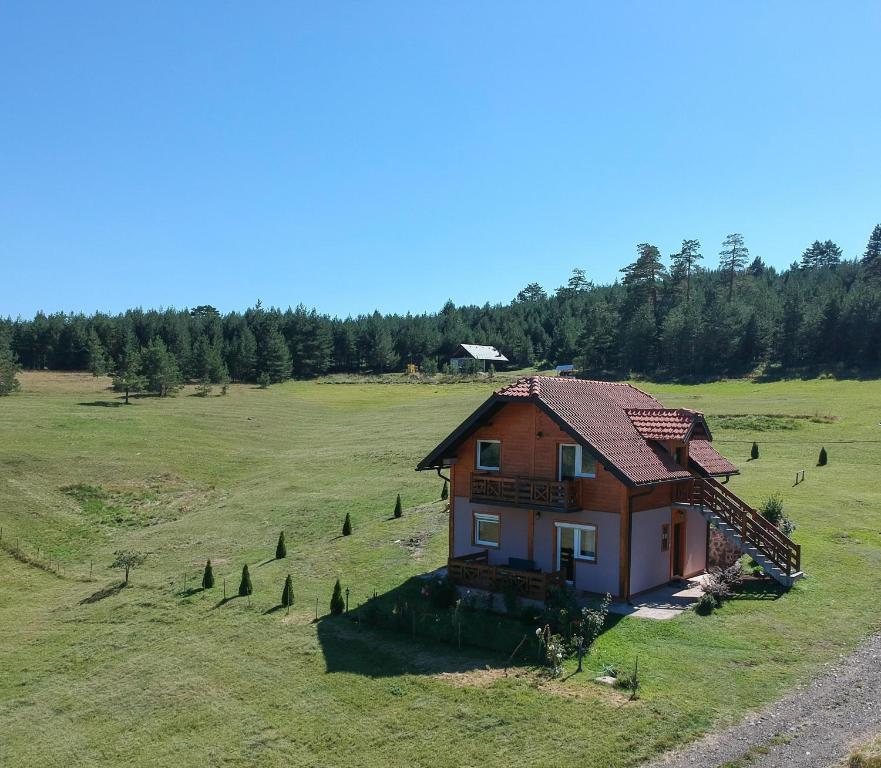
708	458
618	421
596	411
663	423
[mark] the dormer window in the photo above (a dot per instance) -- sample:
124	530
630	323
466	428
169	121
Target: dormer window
489	454
576	462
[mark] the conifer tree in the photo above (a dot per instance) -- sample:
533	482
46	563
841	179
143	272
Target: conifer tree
208	576
684	264
347	525
8	369
733	257
127	376
398	510
245	586
872	257
287	594
275	360
754	451
280	549
160	368
337	603
823	458
97	358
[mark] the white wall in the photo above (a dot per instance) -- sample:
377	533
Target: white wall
695	543
650	565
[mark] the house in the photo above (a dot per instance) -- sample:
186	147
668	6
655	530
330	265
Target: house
465	353
565	370
592	483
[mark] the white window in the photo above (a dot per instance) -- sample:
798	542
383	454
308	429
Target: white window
576	462
489	453
578	541
486	530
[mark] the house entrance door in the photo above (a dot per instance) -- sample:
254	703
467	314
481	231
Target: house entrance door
678	549
566	553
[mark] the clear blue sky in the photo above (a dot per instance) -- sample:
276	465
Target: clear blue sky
361	155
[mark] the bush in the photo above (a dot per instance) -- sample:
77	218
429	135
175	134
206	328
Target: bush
511	597
245	586
705	605
445	493
720	583
629	681
442	593
823	458
772	510
203	389
208	576
398	510
337	604
347	525
287	594
280	549
754	451
263	380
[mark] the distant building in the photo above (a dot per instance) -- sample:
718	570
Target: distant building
480	352
565	370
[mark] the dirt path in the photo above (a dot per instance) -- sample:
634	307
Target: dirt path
815	726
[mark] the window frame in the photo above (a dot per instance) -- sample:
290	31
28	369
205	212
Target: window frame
477	456
579	458
577	529
486	517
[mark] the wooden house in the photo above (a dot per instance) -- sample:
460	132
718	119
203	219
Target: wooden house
595	484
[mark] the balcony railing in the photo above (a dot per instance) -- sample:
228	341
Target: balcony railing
525	492
474	571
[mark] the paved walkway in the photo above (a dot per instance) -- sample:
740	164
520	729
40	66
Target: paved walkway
815	726
662	603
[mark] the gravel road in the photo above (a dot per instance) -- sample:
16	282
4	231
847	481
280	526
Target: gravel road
815	726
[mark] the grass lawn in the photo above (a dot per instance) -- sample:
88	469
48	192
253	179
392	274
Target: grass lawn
153	675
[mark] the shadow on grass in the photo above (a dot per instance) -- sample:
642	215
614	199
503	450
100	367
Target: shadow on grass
759	589
224	600
113	589
190	592
268	561
104	404
404	631
274	609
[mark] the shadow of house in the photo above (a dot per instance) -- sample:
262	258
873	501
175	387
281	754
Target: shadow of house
421	628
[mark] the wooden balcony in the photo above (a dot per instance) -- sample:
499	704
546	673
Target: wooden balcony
528	492
475	571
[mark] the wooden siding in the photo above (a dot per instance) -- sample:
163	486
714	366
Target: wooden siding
526	454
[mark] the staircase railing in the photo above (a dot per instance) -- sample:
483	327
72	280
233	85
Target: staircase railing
744	521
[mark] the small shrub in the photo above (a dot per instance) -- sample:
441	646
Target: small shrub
754	451
721	582
772	510
552	649
823	458
224	389
705	605
208	576
337	603
203	389
610	670
511	597
445	492
245	586
281	549
263	380
287	594
630	681
347	525
398	510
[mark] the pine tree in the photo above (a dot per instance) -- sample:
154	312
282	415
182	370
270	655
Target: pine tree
287	594
97	357
275	360
823	458
445	492
684	264
398	510
643	275
754	451
208	576
872	257
8	369
280	549
733	257
337	603
245	586
127	376
160	369
347	525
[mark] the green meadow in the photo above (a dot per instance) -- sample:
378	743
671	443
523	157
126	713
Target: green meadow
162	673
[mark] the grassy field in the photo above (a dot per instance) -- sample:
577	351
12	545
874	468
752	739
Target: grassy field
153	675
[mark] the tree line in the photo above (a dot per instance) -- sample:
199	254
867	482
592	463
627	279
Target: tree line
667	317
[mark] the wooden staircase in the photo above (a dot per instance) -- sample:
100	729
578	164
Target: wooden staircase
777	554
